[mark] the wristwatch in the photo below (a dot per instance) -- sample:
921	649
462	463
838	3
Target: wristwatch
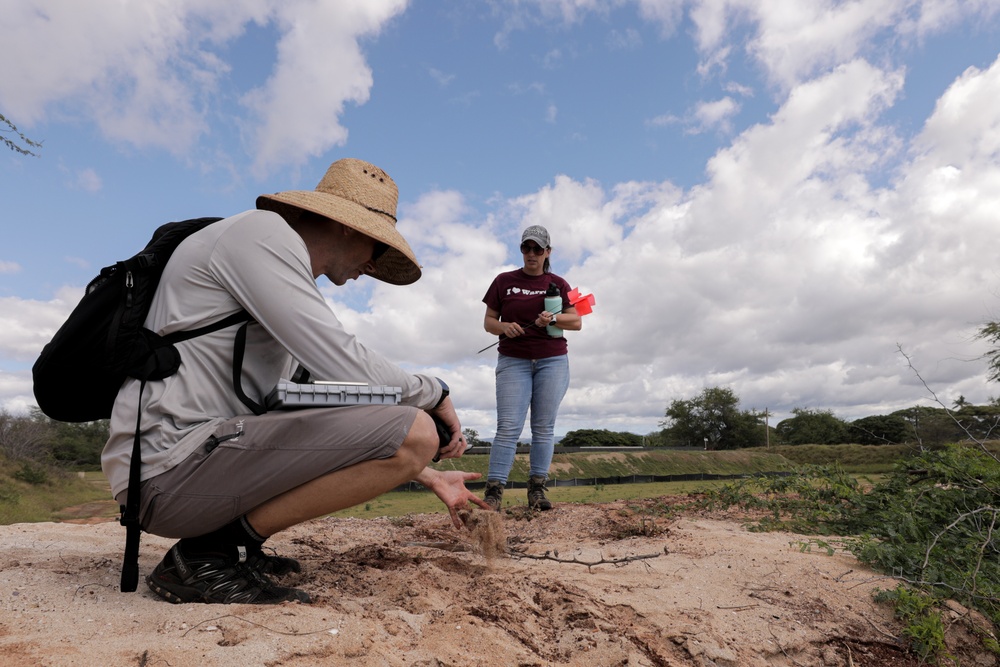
444	392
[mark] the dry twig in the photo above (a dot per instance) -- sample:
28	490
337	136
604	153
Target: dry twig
259	625
554	556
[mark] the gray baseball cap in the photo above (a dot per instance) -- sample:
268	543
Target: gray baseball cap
538	234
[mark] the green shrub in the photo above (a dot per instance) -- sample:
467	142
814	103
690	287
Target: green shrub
924	627
8	495
32	473
933	522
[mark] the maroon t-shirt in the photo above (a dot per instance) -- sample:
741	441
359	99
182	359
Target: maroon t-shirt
519	297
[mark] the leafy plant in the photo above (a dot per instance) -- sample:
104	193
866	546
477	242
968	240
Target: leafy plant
933	522
924	626
8	494
31	473
816	500
806	546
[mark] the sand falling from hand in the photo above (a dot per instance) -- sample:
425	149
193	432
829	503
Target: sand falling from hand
488	533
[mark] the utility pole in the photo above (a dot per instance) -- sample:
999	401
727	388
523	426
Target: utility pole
767	431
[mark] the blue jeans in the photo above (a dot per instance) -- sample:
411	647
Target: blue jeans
522	383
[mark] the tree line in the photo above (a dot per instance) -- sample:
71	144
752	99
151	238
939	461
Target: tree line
36	438
714	420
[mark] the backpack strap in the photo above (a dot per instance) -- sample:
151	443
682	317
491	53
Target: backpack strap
130	510
239	347
178	336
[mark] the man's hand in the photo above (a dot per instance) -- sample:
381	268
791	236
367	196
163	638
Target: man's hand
449	486
449	418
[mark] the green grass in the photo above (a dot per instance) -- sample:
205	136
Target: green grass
25	502
401	503
853	458
589	465
21	501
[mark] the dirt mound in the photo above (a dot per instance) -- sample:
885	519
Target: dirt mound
580	585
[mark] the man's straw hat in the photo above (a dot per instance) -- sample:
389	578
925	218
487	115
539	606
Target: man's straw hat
363	197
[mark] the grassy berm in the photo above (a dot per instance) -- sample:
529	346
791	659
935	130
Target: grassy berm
31	492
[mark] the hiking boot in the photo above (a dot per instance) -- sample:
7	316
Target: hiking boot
536	494
215	579
494	494
272	564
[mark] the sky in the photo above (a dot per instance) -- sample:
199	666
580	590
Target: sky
794	199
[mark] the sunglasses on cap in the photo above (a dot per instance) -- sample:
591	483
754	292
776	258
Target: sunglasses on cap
532	248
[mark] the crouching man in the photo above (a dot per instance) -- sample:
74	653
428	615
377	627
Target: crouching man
223	480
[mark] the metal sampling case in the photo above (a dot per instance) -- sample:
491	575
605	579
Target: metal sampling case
292	396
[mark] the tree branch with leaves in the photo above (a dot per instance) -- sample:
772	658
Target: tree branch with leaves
22	144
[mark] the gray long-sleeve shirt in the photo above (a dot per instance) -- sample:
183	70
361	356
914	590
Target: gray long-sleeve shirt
251	261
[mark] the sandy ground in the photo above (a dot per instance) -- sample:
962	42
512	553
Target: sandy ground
692	590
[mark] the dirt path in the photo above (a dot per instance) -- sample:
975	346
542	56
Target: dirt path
695	591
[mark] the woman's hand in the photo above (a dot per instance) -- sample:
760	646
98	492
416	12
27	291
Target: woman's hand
544	319
449	487
511	329
493	325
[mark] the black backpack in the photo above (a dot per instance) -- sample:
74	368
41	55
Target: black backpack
103	342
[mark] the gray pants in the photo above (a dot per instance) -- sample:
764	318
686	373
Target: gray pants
273	453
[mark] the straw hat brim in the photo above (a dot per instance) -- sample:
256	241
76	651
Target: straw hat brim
397	266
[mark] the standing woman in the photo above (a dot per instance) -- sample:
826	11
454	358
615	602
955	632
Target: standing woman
532	366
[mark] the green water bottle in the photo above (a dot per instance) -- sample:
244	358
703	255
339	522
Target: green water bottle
553	304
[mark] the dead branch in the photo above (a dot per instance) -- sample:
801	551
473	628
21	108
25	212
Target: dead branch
951	415
960	519
444	546
742	607
259	625
554	556
880	630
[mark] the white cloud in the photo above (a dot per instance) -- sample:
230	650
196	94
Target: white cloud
761	179
437	320
795	41
790	273
27	325
738	89
576	215
715	114
523	89
943	210
785	275
16	392
9	267
88	180
553	59
666	13
624	40
154	75
932	16
440	77
964	129
127	81
319	60
663	120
